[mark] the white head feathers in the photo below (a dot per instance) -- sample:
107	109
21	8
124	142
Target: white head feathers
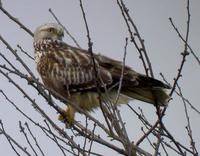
49	31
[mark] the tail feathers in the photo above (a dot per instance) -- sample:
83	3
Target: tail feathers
153	96
148	82
148	89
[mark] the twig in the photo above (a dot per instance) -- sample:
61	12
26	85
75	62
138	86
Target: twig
148	138
9	63
166	153
14	19
97	83
22	50
182	97
26	137
122	72
86	126
68	33
34	138
116	111
184	55
188	127
54	138
14	52
146	134
157	145
88	134
91	140
137	34
171	137
181	37
11	140
47	132
172	148
121	6
185	52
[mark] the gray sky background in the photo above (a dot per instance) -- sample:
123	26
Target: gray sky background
108	32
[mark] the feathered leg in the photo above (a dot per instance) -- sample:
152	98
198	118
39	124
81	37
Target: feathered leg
68	116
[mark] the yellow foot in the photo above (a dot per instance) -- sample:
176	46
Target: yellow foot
67	117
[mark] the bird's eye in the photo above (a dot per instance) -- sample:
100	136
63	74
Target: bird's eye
51	29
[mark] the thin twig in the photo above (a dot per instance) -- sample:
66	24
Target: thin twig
26	53
137	34
14	19
185	52
166	153
91	140
54	138
14	52
148	139
68	33
22	130
182	97
9	63
11	140
181	37
122	72
188	127
85	139
184	55
34	138
146	134
97	83
133	38
88	134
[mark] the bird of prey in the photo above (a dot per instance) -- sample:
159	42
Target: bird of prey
70	72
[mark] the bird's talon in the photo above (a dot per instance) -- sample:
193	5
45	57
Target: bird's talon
67	117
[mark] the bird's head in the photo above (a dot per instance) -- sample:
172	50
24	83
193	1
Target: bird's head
51	31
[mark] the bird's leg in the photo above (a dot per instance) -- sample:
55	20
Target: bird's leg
67	116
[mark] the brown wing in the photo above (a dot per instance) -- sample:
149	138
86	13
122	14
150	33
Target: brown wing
130	78
63	67
115	68
135	85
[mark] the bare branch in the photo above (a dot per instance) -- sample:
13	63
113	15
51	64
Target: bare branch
68	33
55	139
182	97
181	37
185	52
14	52
142	50
14	19
12	141
34	138
26	53
22	130
188	127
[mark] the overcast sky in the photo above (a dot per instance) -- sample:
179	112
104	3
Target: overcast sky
108	33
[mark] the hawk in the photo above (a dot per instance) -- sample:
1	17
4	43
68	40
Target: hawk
70	72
